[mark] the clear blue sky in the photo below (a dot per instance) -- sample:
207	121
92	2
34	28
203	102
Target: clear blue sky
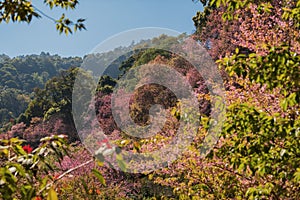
104	19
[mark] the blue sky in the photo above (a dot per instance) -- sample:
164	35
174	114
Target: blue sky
105	18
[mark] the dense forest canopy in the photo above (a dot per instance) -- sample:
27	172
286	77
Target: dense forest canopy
21	75
256	47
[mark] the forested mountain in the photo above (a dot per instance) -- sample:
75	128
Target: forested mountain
23	78
31	71
253	154
21	75
53	102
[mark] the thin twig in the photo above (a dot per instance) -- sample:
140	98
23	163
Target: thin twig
64	174
44	14
73	169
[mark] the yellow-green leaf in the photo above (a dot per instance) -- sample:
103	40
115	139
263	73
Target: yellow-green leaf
99	176
52	195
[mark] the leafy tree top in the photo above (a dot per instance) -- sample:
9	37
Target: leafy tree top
25	11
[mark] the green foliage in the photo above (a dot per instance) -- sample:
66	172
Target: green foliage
52	195
279	68
106	84
149	55
25	11
12	102
17	11
292	12
291	8
99	176
55	98
257	156
63	25
262	147
265	147
25	174
200	18
19	77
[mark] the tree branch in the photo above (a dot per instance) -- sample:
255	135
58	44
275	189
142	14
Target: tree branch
64	174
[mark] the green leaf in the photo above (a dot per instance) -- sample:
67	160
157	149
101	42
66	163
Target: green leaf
213	1
99	176
218	3
19	150
297	175
84	185
121	163
52	195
